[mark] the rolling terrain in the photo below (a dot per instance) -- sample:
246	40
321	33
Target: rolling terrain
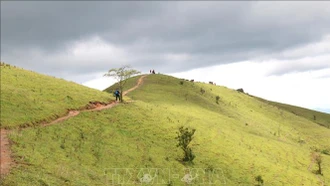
320	118
237	138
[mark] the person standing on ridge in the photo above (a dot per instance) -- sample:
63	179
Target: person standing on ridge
117	94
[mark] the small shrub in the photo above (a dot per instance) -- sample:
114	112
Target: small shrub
202	91
185	136
240	90
181	82
259	180
317	158
217	98
326	151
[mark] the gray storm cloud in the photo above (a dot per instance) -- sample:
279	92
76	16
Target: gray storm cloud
59	37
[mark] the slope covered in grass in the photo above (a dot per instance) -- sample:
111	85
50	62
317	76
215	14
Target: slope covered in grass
28	97
315	116
131	82
236	139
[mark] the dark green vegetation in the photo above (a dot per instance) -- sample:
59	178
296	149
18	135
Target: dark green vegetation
259	180
185	136
237	140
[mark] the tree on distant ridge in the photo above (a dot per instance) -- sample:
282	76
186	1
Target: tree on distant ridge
121	75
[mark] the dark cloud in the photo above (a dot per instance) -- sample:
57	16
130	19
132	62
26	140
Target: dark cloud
52	24
169	36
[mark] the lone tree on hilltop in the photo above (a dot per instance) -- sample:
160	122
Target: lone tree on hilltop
121	75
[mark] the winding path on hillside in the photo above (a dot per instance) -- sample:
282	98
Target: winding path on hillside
6	160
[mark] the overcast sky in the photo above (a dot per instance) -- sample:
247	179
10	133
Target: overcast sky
276	50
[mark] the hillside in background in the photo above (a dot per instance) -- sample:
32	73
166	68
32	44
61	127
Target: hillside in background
238	137
320	118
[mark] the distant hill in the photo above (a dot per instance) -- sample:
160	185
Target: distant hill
312	115
238	138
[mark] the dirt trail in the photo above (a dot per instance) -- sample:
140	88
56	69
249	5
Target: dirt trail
140	81
5	153
71	113
6	160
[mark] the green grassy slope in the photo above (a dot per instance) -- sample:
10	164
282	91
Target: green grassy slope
28	97
129	83
236	140
315	116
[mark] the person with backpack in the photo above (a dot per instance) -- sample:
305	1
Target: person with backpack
117	94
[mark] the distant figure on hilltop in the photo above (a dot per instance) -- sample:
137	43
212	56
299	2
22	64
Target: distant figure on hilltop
117	94
153	71
150	72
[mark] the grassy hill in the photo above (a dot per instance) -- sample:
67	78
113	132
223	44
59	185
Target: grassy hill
236	139
130	83
28	98
315	116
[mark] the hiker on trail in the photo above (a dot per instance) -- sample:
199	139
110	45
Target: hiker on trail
117	94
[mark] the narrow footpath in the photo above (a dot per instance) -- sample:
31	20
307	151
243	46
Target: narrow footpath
5	156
